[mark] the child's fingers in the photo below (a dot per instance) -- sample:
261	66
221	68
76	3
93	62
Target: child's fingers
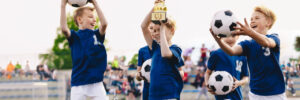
237	32
237	28
240	24
246	23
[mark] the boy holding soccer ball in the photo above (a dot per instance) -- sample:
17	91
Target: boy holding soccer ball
88	53
235	65
143	55
166	82
262	52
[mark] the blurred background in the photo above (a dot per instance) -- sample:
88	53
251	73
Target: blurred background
35	61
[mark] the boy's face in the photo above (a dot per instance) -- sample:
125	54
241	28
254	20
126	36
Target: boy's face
87	20
156	33
231	40
259	22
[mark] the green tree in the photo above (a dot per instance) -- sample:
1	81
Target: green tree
134	60
59	56
297	44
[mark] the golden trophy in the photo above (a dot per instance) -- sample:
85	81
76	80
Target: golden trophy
159	13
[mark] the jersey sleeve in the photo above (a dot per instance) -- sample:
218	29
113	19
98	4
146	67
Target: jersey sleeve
245	46
140	58
154	46
72	37
244	68
276	39
212	60
100	37
177	59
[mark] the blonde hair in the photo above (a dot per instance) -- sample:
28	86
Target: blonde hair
267	12
171	23
79	12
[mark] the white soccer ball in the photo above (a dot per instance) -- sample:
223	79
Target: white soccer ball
78	3
145	71
223	23
220	82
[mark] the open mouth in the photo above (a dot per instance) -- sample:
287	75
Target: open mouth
93	24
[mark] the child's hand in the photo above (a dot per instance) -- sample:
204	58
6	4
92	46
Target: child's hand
243	29
210	90
214	35
139	76
236	83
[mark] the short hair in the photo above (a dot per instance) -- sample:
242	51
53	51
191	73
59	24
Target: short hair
267	12
171	23
79	12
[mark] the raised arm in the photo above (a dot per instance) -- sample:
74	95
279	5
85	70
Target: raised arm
145	29
164	44
235	50
63	19
103	22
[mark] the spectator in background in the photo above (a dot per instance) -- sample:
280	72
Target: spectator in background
40	71
200	85
203	51
187	53
201	65
27	69
1	72
18	68
291	87
122	63
115	64
10	70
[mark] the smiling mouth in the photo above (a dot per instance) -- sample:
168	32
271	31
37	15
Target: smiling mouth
93	25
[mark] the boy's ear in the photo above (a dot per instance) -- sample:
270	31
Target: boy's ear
269	22
79	20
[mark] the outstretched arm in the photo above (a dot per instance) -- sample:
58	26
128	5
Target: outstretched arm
259	38
103	22
145	29
235	50
63	19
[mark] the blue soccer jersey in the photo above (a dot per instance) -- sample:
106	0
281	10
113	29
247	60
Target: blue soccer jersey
266	77
166	82
235	65
89	57
144	54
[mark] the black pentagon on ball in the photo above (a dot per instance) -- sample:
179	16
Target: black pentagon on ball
231	27
225	88
75	5
213	88
221	35
147	68
219	78
228	13
218	23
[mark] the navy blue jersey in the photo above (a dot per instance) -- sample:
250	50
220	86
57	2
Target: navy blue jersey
144	54
89	57
234	65
266	77
166	82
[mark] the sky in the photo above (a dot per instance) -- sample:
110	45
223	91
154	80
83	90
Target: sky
28	27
